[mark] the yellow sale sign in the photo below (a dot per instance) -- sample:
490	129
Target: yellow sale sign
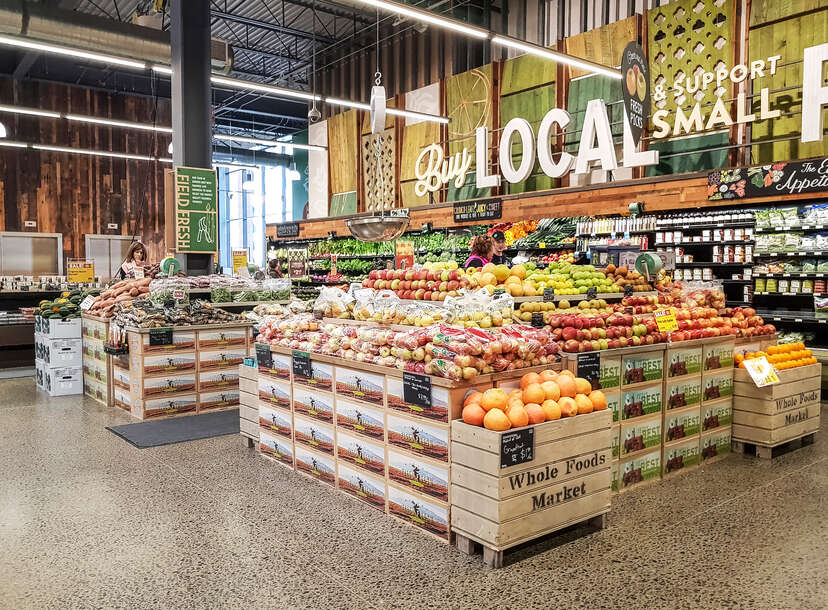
80	271
239	260
666	320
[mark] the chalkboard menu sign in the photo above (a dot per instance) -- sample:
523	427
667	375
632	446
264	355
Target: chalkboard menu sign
287	229
548	294
161	336
302	365
417	389
264	357
628	290
486	209
589	367
517	447
537	319
592	292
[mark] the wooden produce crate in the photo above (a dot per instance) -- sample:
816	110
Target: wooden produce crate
765	418
277	447
97	364
249	405
681	456
683	359
566	482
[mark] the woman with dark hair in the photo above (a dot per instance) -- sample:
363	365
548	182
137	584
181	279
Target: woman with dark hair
482	249
136	256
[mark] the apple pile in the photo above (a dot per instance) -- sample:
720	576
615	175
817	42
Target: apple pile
703	322
422	285
577	333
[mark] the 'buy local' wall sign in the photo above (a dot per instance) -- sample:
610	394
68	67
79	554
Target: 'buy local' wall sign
433	170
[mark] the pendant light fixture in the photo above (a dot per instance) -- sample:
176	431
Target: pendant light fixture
390	223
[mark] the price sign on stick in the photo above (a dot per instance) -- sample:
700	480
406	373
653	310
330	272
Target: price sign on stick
761	371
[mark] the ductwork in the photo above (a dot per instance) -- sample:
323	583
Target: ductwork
92	33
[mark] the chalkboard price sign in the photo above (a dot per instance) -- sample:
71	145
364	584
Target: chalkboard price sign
548	295
589	367
628	290
287	229
302	365
592	292
537	319
517	447
264	357
417	389
161	336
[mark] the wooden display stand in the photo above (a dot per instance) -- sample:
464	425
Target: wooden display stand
772	416
567	482
248	404
97	364
180	371
348	424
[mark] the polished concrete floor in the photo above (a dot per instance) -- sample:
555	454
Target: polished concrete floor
87	521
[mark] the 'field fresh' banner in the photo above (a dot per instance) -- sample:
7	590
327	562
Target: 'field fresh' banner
765	180
196	211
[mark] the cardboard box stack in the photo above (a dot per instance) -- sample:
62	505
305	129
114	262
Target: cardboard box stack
97	364
58	356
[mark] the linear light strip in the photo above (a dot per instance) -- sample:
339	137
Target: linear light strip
127	124
263	142
241	84
556	56
59	50
81	151
420	15
30	111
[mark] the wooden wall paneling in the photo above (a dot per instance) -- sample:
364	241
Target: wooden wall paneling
603	45
765	11
412	140
787	38
343	152
469	99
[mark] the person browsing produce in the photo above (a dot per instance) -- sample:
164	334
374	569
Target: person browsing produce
482	249
136	256
499	243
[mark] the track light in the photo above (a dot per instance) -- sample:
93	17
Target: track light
2	130
235	83
30	111
556	56
426	17
66	51
81	151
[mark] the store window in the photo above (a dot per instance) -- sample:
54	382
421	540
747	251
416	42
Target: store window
250	197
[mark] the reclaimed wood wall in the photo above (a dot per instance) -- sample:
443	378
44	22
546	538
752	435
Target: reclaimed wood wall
77	194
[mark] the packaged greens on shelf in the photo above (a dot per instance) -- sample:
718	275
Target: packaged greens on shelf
247	293
763	218
822	265
169	290
809	265
220	294
276	289
789	265
821	241
815	214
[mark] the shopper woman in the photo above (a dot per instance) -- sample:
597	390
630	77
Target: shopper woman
481	251
136	257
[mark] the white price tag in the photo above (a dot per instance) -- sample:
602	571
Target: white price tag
178	294
86	304
138	272
761	371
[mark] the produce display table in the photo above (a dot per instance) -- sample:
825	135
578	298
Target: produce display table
348	424
180	370
766	418
97	364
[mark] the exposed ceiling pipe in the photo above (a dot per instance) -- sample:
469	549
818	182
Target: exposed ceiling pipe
97	34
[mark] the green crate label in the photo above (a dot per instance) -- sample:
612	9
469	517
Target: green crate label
681	425
683	393
610	373
718	386
641	469
644	368
718	357
681	456
636	403
614	404
616	442
640	436
715	444
684	362
716	416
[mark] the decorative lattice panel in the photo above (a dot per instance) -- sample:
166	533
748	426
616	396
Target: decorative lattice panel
379	194
689	37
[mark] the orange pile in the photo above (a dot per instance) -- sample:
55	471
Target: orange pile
782	357
543	396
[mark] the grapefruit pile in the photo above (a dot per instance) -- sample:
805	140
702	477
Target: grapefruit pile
543	396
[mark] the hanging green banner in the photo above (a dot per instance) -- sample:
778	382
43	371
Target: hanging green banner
196	210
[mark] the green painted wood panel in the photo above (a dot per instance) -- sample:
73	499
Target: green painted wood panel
526	72
587	88
603	45
764	11
700	158
531	105
787	38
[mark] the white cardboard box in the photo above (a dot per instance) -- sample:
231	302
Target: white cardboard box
63	382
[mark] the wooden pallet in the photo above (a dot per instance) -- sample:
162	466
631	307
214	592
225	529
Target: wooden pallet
493	558
766	452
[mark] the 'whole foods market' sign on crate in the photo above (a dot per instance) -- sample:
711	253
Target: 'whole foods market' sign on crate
196	212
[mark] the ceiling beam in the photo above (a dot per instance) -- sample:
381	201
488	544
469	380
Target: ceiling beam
278	29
